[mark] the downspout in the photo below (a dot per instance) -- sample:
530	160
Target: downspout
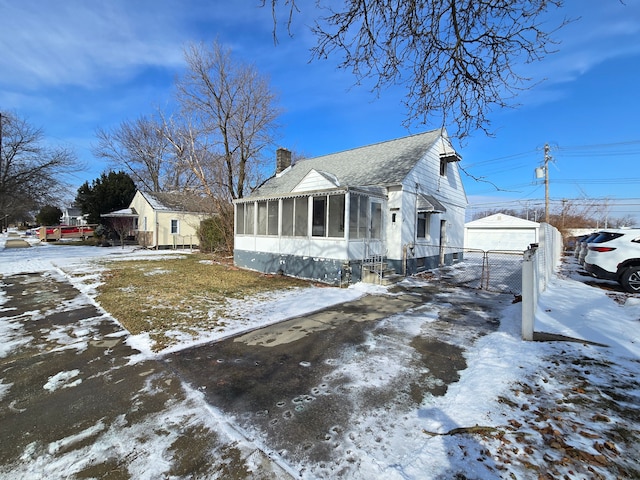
157	229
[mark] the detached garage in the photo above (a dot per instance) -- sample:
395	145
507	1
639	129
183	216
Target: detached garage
500	232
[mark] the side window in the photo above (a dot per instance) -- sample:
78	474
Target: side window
422	227
174	225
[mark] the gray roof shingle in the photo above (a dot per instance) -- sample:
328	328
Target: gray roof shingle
178	202
380	164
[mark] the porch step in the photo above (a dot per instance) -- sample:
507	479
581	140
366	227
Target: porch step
379	274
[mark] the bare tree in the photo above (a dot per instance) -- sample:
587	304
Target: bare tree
457	59
193	150
31	173
229	118
122	227
141	147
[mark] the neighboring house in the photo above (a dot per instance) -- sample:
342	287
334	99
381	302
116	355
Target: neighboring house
73	216
500	232
164	219
398	203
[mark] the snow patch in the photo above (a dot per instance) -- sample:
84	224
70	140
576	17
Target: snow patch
62	380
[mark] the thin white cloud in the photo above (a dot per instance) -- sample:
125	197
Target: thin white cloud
602	31
86	44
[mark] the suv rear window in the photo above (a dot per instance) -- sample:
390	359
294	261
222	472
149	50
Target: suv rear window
606	237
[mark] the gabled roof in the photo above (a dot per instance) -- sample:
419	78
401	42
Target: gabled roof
381	164
73	212
178	202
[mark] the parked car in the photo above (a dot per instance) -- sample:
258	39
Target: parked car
578	245
615	255
582	248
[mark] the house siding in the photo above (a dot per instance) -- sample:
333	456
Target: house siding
424	178
156	231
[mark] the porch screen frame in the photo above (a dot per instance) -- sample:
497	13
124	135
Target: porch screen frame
324	222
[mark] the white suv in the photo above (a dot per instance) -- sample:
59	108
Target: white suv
615	255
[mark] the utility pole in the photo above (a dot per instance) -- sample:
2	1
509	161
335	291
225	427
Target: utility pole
547	157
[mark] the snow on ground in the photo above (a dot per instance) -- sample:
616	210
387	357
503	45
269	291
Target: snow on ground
504	378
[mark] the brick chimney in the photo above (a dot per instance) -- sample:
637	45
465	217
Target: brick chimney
283	160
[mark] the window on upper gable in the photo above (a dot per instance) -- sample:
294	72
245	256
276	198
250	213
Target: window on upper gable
443	167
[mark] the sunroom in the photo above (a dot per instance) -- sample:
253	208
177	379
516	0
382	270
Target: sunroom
323	235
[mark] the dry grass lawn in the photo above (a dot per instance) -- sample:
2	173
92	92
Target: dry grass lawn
186	294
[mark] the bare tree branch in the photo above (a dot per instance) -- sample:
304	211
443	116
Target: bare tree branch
141	148
31	174
457	59
230	108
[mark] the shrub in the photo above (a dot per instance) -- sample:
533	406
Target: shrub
212	235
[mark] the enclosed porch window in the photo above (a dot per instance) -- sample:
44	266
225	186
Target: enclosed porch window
365	218
358	216
328	216
244	218
268	217
295	215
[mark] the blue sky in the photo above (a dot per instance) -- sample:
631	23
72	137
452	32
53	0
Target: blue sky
73	66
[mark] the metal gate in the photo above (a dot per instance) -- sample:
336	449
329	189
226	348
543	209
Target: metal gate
493	270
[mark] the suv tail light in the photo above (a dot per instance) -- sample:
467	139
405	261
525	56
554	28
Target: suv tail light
601	249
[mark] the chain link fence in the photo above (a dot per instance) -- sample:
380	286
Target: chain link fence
493	270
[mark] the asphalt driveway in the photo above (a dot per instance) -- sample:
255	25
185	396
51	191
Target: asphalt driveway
276	402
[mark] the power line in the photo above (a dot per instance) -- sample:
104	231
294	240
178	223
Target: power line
600	145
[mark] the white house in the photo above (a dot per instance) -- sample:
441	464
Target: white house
72	216
399	202
165	219
500	232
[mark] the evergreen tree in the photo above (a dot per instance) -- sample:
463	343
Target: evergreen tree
112	191
49	215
